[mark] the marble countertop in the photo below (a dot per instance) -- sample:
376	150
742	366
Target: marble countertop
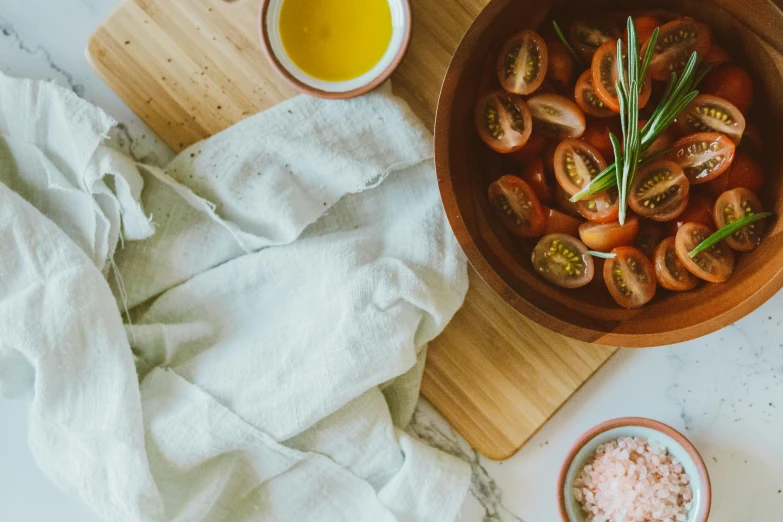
724	391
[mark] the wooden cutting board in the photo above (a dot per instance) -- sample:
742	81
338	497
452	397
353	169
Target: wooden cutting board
191	68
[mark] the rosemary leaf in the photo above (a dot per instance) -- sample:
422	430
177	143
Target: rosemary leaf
602	255
577	58
725	231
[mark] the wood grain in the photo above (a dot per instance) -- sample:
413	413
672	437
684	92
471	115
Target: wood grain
190	68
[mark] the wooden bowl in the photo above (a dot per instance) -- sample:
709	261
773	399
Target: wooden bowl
675	442
752	30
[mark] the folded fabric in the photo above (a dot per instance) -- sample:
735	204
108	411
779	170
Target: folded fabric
280	282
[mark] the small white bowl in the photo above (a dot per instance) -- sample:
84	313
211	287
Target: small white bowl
272	44
677	445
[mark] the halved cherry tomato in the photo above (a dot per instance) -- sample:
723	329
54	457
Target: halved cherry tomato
607	236
563	260
732	83
699	210
560	223
659	191
561	64
717	56
601	208
597	135
529	151
734	205
745	172
714	265
648	239
605	78
576	164
703	156
671	273
665	141
677	40
588	34
556	116
708	113
751	139
533	174
517	206
523	62
645	25
630	277
588	100
503	121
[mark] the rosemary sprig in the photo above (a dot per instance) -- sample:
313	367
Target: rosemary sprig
725	231
577	58
680	92
602	255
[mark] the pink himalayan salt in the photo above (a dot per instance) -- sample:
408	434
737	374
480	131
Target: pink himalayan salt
632	479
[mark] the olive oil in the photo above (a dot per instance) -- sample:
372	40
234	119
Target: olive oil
335	40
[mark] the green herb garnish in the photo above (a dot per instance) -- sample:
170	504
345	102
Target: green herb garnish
602	255
725	231
679	93
577	58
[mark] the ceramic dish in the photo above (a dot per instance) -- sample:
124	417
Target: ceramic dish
466	166
271	42
677	445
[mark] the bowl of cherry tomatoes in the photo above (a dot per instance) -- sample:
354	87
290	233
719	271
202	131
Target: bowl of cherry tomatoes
612	170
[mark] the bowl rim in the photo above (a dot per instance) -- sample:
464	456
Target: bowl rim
266	46
442	137
643	422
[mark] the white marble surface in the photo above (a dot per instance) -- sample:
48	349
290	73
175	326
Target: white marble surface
725	391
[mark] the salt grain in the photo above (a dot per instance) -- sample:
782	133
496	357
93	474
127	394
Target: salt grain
633	480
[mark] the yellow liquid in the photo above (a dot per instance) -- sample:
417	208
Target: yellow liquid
335	40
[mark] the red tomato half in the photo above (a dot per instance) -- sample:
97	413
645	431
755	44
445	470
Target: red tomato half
561	64
703	156
605	237
717	56
601	208
665	141
503	121
556	116
699	210
671	273
677	40
630	277
605	76
745	172
522	63
576	164
588	34
659	191
517	206
714	265
588	100
597	135
530	151
708	113
733	206
649	237
560	223
563	260
533	174
732	83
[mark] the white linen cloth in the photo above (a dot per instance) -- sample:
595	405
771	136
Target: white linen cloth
283	279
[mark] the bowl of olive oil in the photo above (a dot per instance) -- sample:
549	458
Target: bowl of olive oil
335	48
